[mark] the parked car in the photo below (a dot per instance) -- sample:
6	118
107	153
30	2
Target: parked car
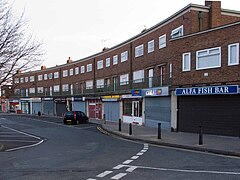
75	117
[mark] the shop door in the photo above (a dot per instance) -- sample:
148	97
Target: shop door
137	112
95	110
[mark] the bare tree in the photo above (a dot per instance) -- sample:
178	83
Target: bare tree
18	51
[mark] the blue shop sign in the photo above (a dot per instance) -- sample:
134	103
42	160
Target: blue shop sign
136	92
207	90
163	91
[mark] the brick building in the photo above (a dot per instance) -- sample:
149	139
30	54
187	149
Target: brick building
152	77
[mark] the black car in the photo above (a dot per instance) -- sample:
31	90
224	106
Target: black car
75	117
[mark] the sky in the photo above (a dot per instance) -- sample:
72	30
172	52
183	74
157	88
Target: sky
80	28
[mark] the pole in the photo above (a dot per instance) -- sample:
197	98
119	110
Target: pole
119	124
159	131
200	135
130	129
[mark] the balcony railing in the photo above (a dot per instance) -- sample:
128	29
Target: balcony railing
117	88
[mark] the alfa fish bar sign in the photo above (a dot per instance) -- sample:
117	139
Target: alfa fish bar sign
208	90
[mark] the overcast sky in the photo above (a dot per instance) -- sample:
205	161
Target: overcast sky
80	28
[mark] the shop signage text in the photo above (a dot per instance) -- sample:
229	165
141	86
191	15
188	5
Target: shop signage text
208	90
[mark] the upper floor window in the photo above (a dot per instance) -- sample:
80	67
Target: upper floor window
170	70
150	46
65	73
108	62
21	80
56	88
89	84
124	56
162	41
100	64
186	61
65	87
40	77
89	67
139	50
208	58
50	75
71	72
32	90
138	76
82	69
40	89
177	32
100	83
31	78
45	76
16	80
115	59
56	75
124	79
76	70
233	54
26	79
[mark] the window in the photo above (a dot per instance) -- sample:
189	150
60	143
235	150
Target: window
16	91
31	78
26	79
170	70
233	54
16	80
89	67
71	72
50	76
76	70
100	83
162	41
82	69
124	56
150	46
31	90
21	80
56	88
186	61
100	64
138	76
108	62
124	79
115	59
45	76
65	73
177	32
208	58
89	84
65	87
56	75
40	77
139	50
40	89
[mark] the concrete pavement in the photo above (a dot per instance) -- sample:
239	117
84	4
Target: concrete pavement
223	145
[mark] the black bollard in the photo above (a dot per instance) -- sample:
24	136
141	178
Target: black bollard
119	124
130	129
200	135
159	131
39	113
104	118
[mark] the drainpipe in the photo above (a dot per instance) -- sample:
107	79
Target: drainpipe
200	17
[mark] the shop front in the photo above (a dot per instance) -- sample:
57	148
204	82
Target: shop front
95	108
61	106
111	107
213	108
48	106
36	105
25	106
79	104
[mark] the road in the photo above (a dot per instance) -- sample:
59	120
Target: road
47	149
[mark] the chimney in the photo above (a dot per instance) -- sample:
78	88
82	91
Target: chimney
43	67
69	60
215	13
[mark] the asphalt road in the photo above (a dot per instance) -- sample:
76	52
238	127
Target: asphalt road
47	149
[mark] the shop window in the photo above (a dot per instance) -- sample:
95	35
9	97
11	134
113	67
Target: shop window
127	108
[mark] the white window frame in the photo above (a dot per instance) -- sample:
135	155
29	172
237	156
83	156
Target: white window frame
100	83
162	41
40	90
16	80
236	55
108	61
177	32
124	79
100	64
115	59
139	50
65	73
31	78
76	70
170	70
138	76
26	79
82	69
89	84
45	77
124	56
31	90
184	61
40	77
208	54
151	46
56	75
71	72
56	88
50	76
65	87
89	67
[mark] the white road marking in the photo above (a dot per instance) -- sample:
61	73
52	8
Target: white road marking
131	169
139	154
146	148
143	151
145	145
119	176
91	179
2	140
127	161
105	173
135	157
119	166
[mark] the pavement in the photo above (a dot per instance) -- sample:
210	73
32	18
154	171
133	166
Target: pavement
223	145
